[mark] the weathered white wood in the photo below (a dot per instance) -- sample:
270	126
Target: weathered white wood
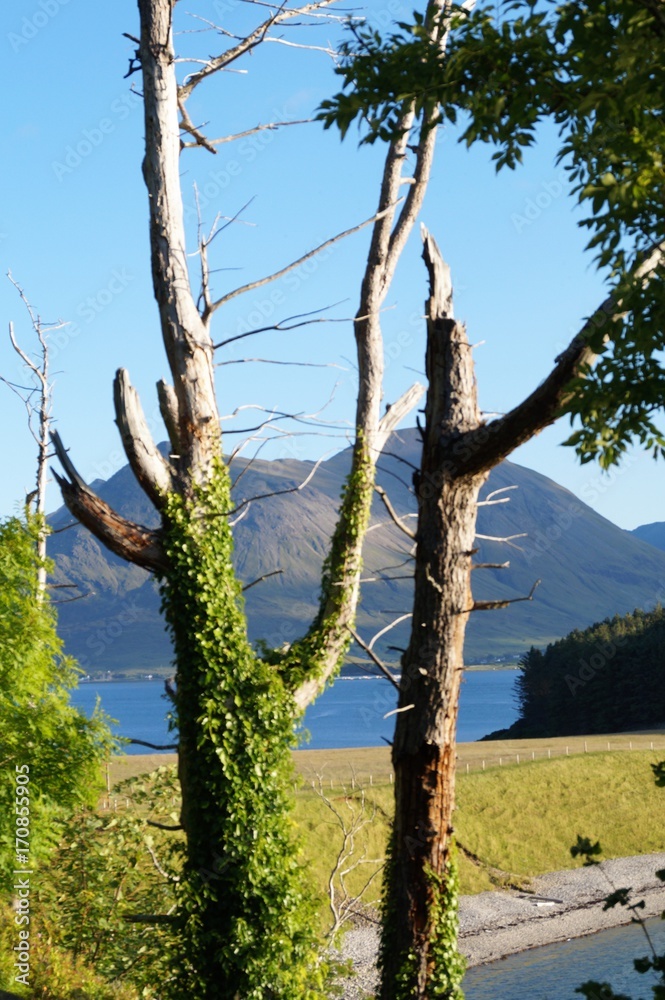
168	407
186	338
127	539
153	472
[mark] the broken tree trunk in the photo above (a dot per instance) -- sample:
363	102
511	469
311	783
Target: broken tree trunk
424	746
419	957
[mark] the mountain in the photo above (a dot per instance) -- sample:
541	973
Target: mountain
653	533
588	567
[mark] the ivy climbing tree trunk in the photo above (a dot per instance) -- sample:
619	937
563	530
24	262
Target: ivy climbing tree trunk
419	957
243	926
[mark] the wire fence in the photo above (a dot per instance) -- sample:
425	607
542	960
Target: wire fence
351	770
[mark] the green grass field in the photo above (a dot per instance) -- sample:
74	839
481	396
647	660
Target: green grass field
513	821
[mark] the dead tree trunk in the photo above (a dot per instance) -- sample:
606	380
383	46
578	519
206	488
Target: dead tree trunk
424	746
419	957
39	422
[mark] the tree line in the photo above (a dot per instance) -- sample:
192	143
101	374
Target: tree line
606	678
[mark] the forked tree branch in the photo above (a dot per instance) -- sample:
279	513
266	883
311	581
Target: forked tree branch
250	286
129	540
493	605
489	444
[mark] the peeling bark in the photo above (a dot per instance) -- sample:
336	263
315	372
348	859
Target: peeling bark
424	745
153	472
187	339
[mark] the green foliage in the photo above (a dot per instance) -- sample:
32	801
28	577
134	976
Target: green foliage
605	679
449	965
110	867
243	918
56	747
304	659
622	897
598	71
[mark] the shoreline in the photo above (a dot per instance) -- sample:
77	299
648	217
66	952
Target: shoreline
558	906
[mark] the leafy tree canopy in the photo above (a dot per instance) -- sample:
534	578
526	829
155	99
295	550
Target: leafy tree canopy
598	70
39	728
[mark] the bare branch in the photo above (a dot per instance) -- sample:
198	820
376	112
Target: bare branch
388	628
154	746
374	658
503	565
488	444
163	826
397	711
396	412
495	493
492	605
127	539
393	513
168	407
246	44
153	472
267	127
290	267
506	539
277	493
266	576
271	361
166	875
280	325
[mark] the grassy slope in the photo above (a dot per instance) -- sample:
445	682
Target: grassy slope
516	821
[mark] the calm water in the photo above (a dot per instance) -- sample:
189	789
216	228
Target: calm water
553	972
349	714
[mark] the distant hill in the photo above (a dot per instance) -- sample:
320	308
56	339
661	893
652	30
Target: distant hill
653	533
607	679
589	568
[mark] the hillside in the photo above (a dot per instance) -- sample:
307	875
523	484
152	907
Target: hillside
589	568
653	533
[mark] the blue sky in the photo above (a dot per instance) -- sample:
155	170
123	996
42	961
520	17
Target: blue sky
73	231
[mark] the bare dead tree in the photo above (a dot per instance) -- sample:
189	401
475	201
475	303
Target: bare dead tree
352	814
37	400
459	450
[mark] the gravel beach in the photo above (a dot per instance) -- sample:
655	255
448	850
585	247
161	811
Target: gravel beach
559	906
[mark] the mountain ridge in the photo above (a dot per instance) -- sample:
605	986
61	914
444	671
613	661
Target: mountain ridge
589	567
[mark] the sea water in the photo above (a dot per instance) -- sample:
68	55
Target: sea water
354	712
555	971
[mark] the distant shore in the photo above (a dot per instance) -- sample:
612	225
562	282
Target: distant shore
557	907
